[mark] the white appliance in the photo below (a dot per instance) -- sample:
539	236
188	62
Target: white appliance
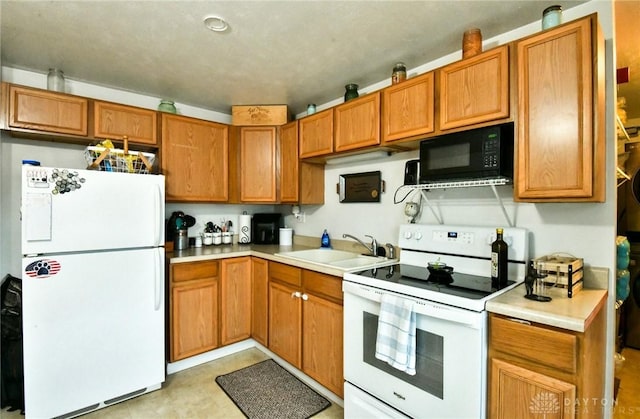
93	288
451	324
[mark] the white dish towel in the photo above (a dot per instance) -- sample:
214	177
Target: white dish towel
396	339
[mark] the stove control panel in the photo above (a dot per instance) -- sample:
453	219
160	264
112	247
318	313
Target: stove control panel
461	240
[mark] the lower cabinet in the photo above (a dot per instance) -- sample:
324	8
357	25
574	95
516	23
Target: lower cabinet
235	300
260	300
193	308
305	322
539	370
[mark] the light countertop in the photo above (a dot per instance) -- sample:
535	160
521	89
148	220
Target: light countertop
567	313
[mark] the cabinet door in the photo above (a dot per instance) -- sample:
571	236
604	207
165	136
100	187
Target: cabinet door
316	134
289	173
116	121
322	342
40	110
194	318
475	90
285	322
517	392
260	301
560	148
195	159
258	164
235	300
408	108
357	123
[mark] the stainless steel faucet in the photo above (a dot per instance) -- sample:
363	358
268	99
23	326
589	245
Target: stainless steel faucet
373	249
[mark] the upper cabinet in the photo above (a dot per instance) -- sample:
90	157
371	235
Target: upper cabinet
560	139
258	164
316	134
40	110
115	121
195	159
475	90
300	182
357	123
408	108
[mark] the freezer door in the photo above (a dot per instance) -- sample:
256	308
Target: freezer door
68	210
93	328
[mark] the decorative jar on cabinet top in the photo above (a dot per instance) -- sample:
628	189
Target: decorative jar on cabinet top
167	106
351	91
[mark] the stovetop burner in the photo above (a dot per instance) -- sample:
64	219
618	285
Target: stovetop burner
455	283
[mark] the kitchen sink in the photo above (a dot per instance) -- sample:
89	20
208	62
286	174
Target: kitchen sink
337	258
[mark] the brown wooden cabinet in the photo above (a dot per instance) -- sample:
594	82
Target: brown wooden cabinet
193	304
474	90
260	300
560	139
258	164
306	322
316	134
285	312
408	109
322	325
37	110
357	123
300	182
539	369
235	299
195	159
115	121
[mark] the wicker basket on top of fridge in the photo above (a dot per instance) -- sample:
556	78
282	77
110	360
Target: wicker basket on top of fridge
109	159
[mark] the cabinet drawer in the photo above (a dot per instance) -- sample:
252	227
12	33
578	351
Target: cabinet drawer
285	273
535	343
322	284
195	270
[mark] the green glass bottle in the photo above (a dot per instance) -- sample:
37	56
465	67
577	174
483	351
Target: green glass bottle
351	91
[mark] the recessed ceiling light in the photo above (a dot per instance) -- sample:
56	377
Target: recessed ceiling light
216	23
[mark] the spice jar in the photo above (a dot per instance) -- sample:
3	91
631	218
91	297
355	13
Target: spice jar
551	16
399	73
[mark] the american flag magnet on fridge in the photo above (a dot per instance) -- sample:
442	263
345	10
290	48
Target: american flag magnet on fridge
42	268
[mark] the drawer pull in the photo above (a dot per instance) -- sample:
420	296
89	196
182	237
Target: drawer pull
520	321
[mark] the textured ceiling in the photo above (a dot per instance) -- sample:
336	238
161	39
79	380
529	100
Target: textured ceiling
277	52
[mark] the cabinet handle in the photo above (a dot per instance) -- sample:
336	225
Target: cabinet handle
296	294
520	321
305	297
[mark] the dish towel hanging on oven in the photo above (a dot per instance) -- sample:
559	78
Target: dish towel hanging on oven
396	338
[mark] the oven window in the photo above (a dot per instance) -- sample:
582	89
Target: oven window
429	357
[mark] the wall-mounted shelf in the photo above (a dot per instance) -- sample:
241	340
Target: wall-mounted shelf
492	183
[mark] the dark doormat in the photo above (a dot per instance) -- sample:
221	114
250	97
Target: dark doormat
266	390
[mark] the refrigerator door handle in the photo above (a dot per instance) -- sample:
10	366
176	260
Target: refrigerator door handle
158	203
158	279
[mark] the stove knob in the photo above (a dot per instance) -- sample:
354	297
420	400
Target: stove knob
407	235
418	235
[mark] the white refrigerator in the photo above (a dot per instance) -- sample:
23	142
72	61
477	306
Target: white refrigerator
93	288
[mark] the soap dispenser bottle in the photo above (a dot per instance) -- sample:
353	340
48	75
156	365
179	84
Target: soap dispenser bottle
325	241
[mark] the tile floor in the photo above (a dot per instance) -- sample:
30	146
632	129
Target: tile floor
191	393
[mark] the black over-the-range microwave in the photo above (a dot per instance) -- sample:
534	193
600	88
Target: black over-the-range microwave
481	153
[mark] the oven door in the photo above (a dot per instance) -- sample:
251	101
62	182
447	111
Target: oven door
450	380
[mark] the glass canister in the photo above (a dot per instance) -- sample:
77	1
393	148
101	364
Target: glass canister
351	91
471	42
55	80
399	73
551	16
167	106
311	109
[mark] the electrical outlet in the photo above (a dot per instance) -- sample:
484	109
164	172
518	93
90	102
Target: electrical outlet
301	217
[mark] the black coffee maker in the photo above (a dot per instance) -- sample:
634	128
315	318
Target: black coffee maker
177	221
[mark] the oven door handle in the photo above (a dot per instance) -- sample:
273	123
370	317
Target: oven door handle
469	318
